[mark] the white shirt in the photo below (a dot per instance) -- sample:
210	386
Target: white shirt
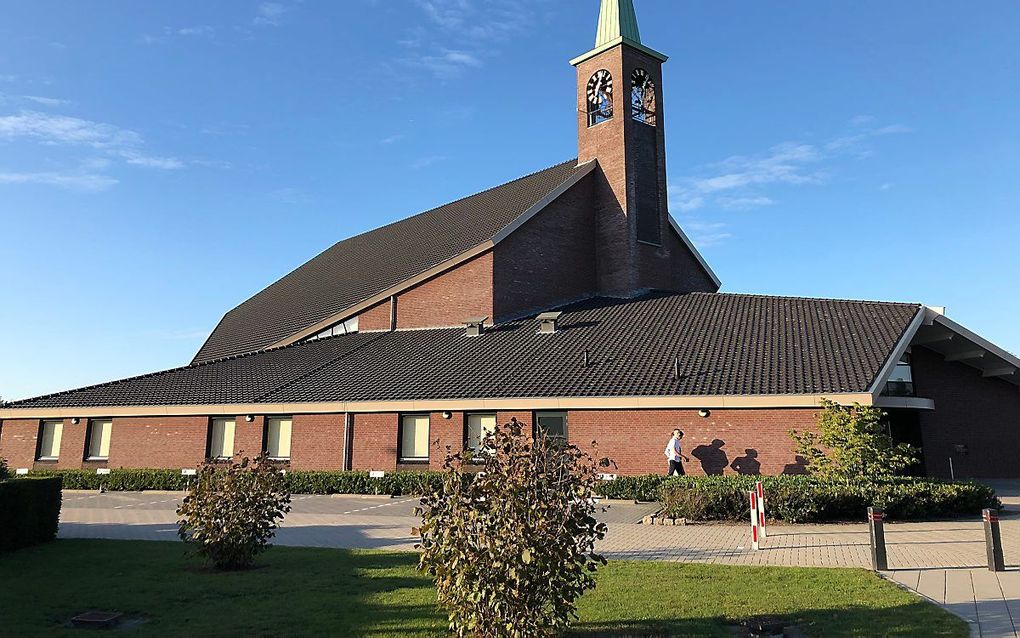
672	450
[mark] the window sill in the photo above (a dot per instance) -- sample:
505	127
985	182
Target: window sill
278	459
48	459
93	459
413	461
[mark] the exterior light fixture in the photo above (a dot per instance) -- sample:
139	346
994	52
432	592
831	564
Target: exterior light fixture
703	413
447	415
249	418
75	421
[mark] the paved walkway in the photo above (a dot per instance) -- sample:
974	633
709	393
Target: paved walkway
942	561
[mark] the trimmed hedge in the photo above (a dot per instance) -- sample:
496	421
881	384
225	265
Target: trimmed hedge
29	512
399	483
796	499
803	499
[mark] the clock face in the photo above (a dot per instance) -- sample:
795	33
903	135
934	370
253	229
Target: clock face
642	81
600	88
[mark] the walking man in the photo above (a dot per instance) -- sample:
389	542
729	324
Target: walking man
674	454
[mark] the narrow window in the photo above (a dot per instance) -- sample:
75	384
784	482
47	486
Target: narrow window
414	438
99	440
221	439
479	426
600	97
49	440
278	437
901	382
642	97
553	424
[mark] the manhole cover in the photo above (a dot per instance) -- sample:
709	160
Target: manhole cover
96	620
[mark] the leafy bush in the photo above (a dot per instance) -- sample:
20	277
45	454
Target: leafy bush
805	499
232	512
513	549
632	488
852	442
29	512
118	480
5	472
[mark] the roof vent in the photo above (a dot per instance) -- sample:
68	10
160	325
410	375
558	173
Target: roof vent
475	326
549	322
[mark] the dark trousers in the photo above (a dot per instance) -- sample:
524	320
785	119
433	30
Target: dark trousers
677	467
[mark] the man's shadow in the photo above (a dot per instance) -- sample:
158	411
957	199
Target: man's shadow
748	464
712	457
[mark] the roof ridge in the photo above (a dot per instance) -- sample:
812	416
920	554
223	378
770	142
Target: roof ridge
806	298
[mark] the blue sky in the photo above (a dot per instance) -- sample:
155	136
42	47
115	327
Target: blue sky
161	162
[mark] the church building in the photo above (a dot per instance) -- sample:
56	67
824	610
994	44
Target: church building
568	298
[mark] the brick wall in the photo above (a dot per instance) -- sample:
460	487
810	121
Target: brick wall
375	442
72	445
168	442
445	433
550	259
757	440
375	318
449	299
983	414
317	442
18	440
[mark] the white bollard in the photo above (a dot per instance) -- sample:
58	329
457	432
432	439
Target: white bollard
754	520
760	488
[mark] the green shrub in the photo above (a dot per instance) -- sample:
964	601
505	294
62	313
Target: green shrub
394	483
804	499
512	548
632	488
5	472
231	512
29	512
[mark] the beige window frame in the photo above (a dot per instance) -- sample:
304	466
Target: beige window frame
414	438
100	432
478	426
50	433
278	437
221	438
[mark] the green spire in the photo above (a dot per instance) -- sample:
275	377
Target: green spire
617	25
617	20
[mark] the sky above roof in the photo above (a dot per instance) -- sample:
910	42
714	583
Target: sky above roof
160	163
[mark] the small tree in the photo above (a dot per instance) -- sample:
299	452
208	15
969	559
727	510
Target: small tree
513	549
231	513
852	443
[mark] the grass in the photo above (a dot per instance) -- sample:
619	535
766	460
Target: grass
315	592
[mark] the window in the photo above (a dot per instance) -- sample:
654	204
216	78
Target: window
278	437
554	424
221	439
344	328
479	426
414	438
49	440
99	440
642	97
901	382
600	97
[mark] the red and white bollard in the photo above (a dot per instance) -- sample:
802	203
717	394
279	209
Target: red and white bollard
755	521
760	489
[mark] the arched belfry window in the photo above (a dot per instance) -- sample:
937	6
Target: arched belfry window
642	97
600	97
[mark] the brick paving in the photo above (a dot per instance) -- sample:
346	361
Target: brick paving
942	561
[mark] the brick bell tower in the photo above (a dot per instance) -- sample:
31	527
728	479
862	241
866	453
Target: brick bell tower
620	124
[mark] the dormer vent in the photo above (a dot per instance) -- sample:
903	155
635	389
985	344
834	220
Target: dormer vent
549	322
475	326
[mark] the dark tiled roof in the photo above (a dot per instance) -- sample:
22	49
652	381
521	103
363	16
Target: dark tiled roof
351	271
726	344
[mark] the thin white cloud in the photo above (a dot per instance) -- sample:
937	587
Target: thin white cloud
744	203
463	33
8	78
45	101
202	29
139	159
79	181
60	129
706	234
269	14
425	162
392	139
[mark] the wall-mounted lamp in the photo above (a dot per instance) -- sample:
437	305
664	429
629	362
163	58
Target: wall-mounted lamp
703	413
447	415
75	421
249	418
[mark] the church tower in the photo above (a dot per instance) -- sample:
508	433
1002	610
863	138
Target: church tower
620	124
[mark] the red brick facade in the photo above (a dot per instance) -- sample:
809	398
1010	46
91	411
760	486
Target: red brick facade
633	438
981	414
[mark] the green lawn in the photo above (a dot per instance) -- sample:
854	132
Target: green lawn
315	592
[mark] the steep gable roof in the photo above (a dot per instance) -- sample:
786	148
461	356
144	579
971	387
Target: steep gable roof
352	271
721	345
